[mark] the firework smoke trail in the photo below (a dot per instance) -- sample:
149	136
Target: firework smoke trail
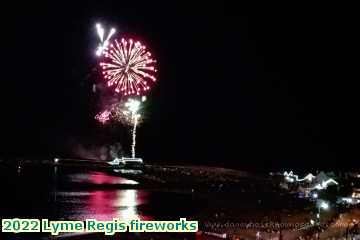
128	66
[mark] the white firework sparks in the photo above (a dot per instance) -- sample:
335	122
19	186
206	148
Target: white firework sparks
133	106
103	43
126	113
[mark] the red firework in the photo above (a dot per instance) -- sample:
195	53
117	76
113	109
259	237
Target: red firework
128	66
103	117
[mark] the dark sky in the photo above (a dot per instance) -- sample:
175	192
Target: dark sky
239	85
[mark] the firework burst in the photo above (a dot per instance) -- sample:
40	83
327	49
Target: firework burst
125	112
122	113
128	66
103	117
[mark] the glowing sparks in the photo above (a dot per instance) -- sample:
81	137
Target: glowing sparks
128	66
100	32
103	117
103	43
122	112
126	113
133	105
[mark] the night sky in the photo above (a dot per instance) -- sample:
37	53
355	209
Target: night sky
239	85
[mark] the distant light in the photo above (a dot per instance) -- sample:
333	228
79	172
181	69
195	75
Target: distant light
308	177
348	200
312	221
315	195
143	98
56	160
324	205
289	179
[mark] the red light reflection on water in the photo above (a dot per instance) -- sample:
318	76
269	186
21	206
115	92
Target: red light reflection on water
102	178
109	204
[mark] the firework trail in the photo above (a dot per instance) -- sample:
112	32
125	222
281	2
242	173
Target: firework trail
128	66
134	136
133	106
103	43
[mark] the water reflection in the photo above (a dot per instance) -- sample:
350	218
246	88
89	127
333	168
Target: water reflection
99	178
129	201
109	204
61	193
105	204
